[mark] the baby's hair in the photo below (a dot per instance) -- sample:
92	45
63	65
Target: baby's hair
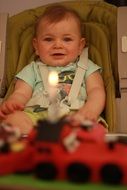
56	13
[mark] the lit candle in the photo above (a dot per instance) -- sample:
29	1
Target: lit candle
53	107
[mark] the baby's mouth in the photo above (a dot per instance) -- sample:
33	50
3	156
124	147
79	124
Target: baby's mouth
57	54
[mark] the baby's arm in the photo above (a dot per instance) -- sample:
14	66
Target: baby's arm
17	100
95	101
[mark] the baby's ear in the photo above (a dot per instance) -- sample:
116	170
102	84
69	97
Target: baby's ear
82	45
35	45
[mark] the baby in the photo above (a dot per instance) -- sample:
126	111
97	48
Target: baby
59	44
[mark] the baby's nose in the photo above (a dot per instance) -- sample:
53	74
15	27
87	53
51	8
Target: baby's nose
58	43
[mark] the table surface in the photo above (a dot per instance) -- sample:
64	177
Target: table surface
23	182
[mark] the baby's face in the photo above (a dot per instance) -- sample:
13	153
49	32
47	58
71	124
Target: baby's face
60	43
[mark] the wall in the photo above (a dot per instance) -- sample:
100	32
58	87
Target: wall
122	67
14	6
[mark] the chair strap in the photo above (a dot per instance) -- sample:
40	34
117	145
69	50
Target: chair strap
44	75
80	72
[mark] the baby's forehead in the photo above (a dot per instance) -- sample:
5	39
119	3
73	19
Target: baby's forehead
67	23
67	19
66	26
50	20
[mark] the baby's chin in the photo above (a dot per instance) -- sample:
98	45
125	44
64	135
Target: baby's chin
58	64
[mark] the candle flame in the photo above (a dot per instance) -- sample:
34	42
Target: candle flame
53	78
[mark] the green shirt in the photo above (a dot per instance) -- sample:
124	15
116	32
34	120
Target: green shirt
32	76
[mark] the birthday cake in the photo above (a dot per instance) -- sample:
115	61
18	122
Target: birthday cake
60	151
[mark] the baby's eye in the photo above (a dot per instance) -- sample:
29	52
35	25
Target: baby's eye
48	39
67	39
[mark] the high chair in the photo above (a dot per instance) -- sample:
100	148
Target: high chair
100	24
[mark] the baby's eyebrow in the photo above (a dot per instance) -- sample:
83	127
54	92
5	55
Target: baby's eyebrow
67	34
47	34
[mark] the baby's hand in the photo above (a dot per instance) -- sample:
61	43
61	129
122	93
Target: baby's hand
80	116
8	107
